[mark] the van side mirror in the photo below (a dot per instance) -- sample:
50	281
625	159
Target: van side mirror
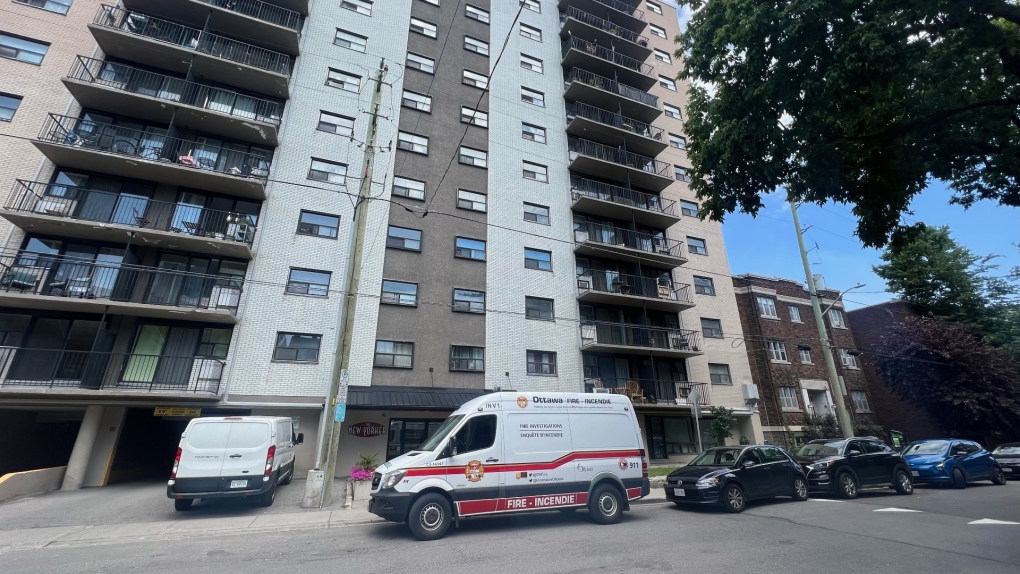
450	449
300	438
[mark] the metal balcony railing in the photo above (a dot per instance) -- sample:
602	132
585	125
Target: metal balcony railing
624	7
580	186
613	119
57	368
602	24
82	204
261	11
607	54
639	336
618	237
137	81
192	39
152	146
654	390
618	156
610	85
613	282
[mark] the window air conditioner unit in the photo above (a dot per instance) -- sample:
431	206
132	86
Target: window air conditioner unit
584	282
750	392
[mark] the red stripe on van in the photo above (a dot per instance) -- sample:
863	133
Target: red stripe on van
527	466
523	503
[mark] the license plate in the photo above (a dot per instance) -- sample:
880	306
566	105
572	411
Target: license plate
238	484
914	473
679	492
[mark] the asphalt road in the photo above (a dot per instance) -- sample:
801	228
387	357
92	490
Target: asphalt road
781	536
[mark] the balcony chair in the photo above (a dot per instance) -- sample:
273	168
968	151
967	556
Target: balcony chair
634	392
21	279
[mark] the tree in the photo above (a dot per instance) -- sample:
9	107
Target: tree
851	101
723	423
821	426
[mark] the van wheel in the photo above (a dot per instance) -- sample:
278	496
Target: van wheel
290	475
183	504
604	505
429	517
268	497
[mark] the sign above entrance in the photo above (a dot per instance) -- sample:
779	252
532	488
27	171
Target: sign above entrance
366	430
177	412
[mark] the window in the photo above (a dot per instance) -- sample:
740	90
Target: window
536	213
350	40
474	117
688	208
805	356
399	293
836	318
767	307
58	6
539	309
421	63
411	188
654	7
672	111
467	359
475	157
359	6
679	142
23	49
532	5
536	172
417	101
297	347
403	238
469	249
704	286
849	361
860	399
533	133
477	434
340	79
719	374
470	200
468	301
8	105
214	343
334	124
475	79
541	363
681	173
531	33
531	63
394	354
788	398
413	143
662	56
532	97
537	259
711	328
476	13
777	351
422	27
328	171
308	282
318	224
697	246
657	30
475	45
795	314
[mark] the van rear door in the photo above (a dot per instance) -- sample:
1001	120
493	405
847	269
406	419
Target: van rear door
247	447
203	449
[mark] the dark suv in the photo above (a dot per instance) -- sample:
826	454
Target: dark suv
844	466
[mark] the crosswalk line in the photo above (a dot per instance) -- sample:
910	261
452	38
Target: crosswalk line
992	521
894	509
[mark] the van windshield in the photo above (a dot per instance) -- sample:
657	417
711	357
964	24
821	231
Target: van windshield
441	433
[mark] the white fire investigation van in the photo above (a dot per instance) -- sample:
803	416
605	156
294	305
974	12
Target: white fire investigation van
518	452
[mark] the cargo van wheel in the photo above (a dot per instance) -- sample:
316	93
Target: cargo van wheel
429	517
183	504
268	497
604	505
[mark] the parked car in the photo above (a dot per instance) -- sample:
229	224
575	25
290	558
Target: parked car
733	475
952	461
1008	457
844	466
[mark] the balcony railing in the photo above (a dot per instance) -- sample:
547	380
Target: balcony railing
261	11
83	204
137	81
613	282
607	54
56	368
618	156
624	7
192	39
610	85
602	24
655	391
33	273
639	336
613	119
580	186
147	145
618	237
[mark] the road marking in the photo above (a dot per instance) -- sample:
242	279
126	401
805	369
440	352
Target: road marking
823	500
992	521
894	509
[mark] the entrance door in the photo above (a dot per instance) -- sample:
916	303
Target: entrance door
657	438
477	444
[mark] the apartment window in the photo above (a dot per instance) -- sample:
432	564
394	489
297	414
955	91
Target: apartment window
417	101
681	173
467	358
767	307
788	398
476	13
539	309
860	399
777	351
475	79
532	5
328	171
413	143
214	343
672	111
412	188
334	124
654	7
531	63
679	142
474	117
795	314
531	33
394	354
57	6
297	347
8	105
308	282
688	208
536	172
340	79
662	56
399	293
711	328
704	286
533	133
536	213
468	301
541	363
805	356
470	200
422	27
469	249
849	361
537	259
475	45
475	157
719	374
421	63
836	318
318	224
359	6
350	40
403	238
532	97
18	48
657	30
697	246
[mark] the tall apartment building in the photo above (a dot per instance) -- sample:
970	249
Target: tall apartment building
185	245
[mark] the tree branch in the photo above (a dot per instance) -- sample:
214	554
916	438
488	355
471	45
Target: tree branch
932	119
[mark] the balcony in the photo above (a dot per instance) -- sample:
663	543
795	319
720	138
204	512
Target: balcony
262	22
618	11
601	240
591	56
148	40
54	209
574	22
34	281
612	288
645	340
655	392
614	129
605	200
606	161
80	143
606	93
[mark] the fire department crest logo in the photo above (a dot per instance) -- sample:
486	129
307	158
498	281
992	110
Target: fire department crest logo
474	471
623	464
522	401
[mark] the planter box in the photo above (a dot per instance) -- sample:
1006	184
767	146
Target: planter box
362	489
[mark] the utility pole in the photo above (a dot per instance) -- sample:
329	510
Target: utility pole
336	400
842	416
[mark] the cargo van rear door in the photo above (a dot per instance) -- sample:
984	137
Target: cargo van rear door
246	452
203	450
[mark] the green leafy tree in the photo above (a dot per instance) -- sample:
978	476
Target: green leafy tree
852	101
723	423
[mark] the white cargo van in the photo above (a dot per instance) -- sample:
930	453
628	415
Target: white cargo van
233	457
518	452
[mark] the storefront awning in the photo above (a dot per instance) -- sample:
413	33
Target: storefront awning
410	398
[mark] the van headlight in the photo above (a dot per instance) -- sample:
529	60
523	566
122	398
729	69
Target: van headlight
707	482
390	479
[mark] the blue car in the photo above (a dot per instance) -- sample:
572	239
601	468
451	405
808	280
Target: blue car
951	461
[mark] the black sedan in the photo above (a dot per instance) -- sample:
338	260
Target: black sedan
733	475
1008	457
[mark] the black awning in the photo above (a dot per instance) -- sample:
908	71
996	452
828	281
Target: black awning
410	398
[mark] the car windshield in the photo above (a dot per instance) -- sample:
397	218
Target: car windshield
935	447
717	457
441	433
820	449
1007	450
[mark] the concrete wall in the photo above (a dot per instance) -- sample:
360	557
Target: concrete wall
31	482
105	447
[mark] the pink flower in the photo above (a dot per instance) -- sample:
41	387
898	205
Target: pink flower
360	474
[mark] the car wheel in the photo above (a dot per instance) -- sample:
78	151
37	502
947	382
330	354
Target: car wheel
733	498
800	489
903	483
959	481
847	485
998	477
604	505
268	497
430	517
183	504
290	475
